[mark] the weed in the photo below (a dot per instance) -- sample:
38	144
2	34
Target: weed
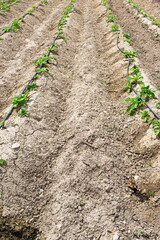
10	235
145	116
101	81
14	124
151	193
149	164
2	162
23	112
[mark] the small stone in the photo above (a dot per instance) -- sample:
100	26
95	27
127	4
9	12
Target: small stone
136	178
79	208
15	146
114	202
115	236
108	189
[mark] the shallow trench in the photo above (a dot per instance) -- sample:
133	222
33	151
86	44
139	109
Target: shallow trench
145	41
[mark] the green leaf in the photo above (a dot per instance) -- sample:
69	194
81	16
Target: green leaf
157	131
158	105
2	161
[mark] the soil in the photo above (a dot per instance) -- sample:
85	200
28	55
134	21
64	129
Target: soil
84	169
152	9
16	11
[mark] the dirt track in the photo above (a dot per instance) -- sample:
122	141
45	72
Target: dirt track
78	147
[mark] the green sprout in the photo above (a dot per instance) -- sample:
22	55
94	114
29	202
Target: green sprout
23	112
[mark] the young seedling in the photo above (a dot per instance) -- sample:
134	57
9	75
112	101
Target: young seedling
147	92
131	54
145	116
41	70
15	25
129	87
2	162
20	101
135	79
156	23
152	18
23	112
127	35
136	103
129	41
32	86
43	61
2	124
135	69
111	18
149	164
114	28
158	105
157	125
151	193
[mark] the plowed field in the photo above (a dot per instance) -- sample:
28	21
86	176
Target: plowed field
79	167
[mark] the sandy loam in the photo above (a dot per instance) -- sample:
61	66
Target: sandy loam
68	180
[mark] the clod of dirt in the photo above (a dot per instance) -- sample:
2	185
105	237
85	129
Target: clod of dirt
156	1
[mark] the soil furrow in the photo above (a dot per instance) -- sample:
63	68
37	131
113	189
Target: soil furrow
78	148
16	11
144	40
20	50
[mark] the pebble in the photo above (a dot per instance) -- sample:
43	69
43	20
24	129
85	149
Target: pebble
15	146
108	189
115	236
79	208
136	178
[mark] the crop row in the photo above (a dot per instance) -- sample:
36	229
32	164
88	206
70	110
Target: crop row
134	79
16	23
41	67
140	11
6	4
